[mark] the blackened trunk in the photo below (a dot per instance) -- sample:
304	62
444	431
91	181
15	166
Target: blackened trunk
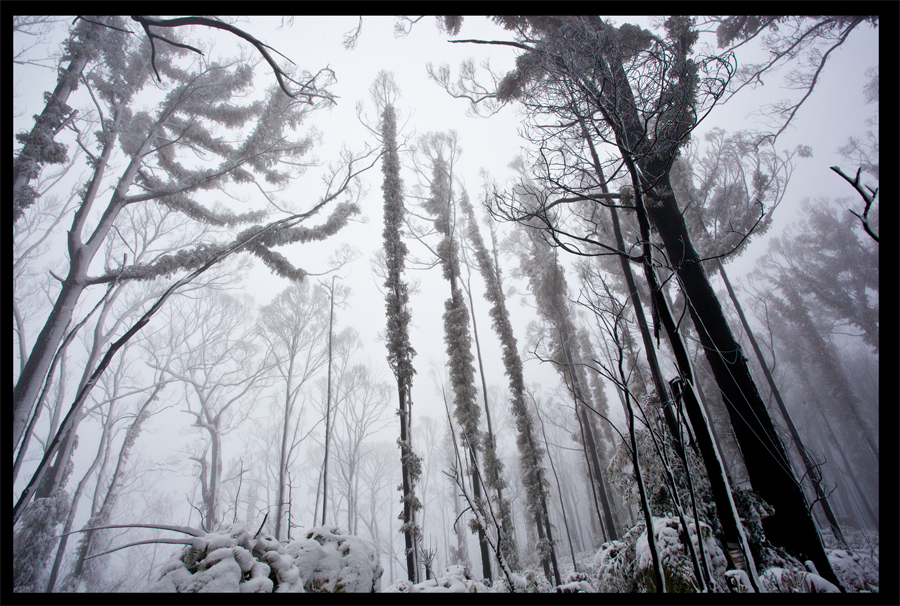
812	471
764	456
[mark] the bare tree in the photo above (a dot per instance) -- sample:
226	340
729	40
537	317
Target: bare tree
292	327
216	361
360	415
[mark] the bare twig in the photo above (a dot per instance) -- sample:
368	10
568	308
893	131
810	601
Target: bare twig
868	197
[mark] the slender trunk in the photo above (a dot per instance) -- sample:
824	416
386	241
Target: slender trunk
590	443
282	455
493	466
212	496
482	538
328	406
849	470
562	505
642	491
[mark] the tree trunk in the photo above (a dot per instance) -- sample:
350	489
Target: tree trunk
493	466
328	407
764	455
812	471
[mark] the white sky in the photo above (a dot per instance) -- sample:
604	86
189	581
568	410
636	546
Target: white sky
834	112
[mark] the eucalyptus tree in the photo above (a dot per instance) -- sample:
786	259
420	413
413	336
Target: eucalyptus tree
292	327
648	92
400	353
440	151
493	466
194	115
99	40
736	174
530	451
546	278
215	360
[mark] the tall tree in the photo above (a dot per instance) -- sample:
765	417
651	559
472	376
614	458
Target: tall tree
530	452
550	290
493	466
441	151
649	92
400	353
736	174
292	327
198	105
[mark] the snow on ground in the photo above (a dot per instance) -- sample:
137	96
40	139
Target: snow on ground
857	571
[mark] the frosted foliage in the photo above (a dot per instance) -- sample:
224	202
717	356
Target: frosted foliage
231	561
454	579
787	580
626	565
332	562
856	571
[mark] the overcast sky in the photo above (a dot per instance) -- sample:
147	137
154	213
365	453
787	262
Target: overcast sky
835	112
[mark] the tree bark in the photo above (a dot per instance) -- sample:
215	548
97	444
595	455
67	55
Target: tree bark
812	471
764	456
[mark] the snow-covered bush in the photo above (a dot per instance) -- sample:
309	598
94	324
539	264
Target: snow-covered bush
231	560
454	579
577	582
333	562
626	565
856	571
526	581
794	580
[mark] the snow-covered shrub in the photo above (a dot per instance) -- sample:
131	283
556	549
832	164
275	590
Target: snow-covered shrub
577	582
627	565
614	563
231	560
527	581
794	580
856	571
454	579
333	562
